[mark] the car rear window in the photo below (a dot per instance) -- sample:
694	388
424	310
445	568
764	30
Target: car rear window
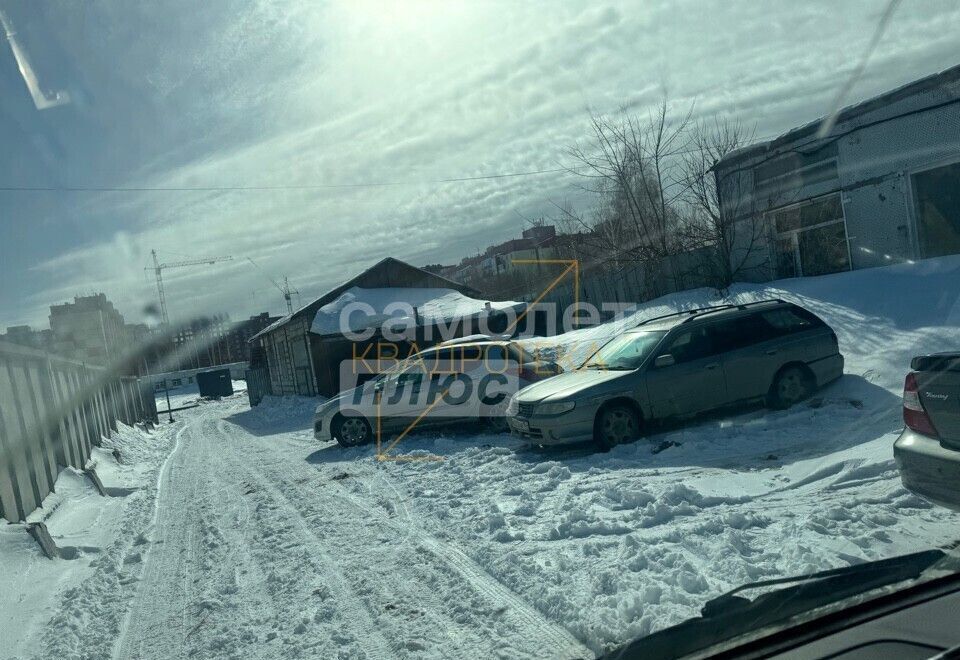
790	319
741	332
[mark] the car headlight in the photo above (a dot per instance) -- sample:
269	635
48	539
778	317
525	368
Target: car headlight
555	408
513	406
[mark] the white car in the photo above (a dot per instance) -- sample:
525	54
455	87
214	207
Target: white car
446	384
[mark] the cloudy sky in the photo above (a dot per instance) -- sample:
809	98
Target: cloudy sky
329	96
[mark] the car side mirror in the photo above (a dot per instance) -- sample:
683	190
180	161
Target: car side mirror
664	361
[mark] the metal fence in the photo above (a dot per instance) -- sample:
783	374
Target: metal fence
52	412
258	385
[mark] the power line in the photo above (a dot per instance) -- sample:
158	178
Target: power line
311	186
318	186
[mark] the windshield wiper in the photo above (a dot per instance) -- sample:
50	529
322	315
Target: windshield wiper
730	614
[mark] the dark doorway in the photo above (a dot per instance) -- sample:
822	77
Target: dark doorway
938	210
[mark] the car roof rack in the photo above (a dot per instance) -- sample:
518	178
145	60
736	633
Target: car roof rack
473	339
692	313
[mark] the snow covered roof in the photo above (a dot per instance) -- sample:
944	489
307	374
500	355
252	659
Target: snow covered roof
402	307
385	273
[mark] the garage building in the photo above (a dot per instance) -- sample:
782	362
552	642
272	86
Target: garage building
304	356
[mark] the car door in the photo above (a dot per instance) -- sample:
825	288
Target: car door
750	348
401	395
446	392
694	382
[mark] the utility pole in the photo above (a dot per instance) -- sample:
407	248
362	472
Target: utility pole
158	269
166	389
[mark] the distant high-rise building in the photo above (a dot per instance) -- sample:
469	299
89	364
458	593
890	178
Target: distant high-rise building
23	335
240	336
89	329
204	342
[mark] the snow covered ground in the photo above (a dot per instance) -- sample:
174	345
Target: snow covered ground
239	536
39	595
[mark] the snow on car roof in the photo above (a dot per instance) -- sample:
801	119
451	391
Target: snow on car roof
396	304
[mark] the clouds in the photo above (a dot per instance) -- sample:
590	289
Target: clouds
232	93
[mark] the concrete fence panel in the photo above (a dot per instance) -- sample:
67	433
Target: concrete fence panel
52	412
72	436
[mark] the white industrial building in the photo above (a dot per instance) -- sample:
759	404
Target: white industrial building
881	186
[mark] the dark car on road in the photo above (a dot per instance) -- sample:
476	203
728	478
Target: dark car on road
679	365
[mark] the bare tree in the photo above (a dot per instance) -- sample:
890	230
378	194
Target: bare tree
632	165
722	221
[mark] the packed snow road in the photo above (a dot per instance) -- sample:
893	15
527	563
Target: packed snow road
261	543
255	551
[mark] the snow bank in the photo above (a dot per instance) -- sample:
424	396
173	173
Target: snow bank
395	305
88	528
896	311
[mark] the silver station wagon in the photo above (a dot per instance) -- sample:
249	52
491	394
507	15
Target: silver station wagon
680	365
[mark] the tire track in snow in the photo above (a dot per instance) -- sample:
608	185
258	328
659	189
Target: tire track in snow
354	612
162	486
201	593
509	610
183	565
565	643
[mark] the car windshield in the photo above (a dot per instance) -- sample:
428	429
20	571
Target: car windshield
625	352
466	328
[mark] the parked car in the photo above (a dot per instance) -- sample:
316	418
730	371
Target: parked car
928	450
351	417
679	365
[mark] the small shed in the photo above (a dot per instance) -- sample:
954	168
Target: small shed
304	350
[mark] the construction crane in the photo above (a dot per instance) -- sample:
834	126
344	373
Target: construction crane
287	291
158	269
284	288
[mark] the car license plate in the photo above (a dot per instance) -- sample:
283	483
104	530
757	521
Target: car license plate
522	425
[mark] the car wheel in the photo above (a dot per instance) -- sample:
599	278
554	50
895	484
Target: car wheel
495	416
792	385
616	425
352	431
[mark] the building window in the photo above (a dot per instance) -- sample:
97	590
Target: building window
810	238
937	198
